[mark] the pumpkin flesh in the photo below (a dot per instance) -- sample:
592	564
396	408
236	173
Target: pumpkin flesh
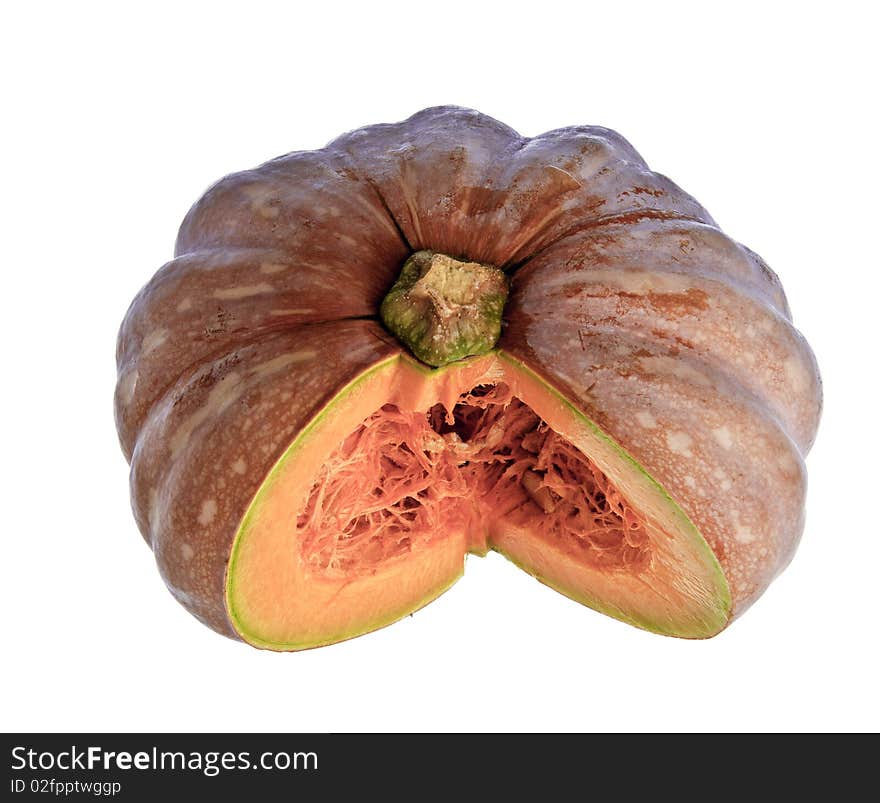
370	513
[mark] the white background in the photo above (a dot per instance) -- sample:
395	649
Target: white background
116	121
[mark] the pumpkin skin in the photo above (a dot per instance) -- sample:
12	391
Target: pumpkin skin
625	296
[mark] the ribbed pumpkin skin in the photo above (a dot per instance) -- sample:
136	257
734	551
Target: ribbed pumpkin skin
625	295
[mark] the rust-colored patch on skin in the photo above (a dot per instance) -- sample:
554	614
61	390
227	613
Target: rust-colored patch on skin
660	334
689	302
676	304
654	193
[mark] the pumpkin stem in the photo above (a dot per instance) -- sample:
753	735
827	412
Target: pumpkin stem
444	309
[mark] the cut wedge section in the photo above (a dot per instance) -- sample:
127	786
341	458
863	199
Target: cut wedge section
371	511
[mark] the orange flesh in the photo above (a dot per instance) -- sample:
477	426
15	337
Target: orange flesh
401	480
370	512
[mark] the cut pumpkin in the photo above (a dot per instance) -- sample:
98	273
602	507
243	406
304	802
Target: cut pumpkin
370	512
439	337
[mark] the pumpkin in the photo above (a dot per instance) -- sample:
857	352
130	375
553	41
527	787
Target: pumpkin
439	337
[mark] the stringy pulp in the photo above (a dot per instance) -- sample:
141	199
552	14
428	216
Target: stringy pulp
402	480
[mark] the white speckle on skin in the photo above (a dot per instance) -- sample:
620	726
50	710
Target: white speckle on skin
239	466
679	442
786	462
326	285
796	374
153	340
245	291
724	482
152	507
365	351
743	534
186	551
674	367
690	481
283	360
261	197
184	305
208	511
273	267
723	437
224	393
646	419
127	385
